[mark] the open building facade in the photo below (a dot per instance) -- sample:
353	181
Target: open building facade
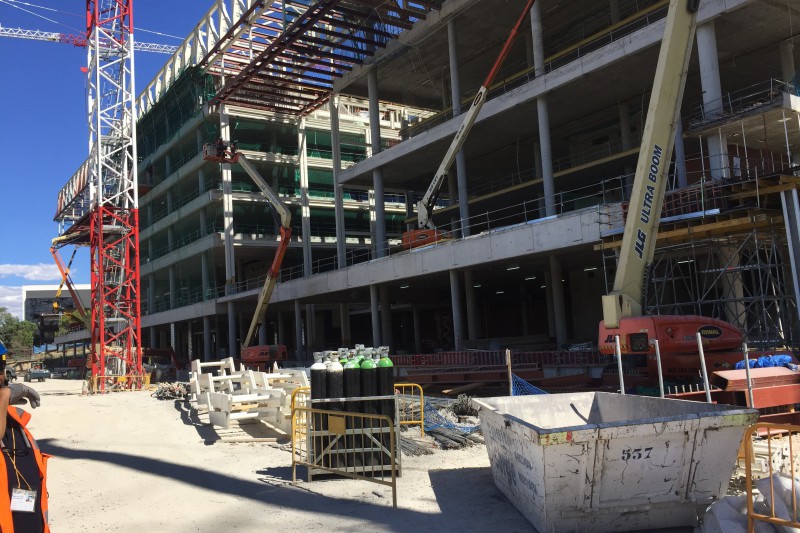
535	203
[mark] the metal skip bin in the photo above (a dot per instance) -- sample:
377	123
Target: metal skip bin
608	462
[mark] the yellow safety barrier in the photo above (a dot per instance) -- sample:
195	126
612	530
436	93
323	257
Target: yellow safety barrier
411	394
355	445
132	382
781	514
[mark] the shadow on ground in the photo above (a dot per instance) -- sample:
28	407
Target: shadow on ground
466	498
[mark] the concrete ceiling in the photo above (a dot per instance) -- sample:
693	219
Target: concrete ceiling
747	38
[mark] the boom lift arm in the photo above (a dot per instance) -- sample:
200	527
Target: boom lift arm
213	153
623	317
65	278
647	196
425	206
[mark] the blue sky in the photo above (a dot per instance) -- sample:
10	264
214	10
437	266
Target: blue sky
43	129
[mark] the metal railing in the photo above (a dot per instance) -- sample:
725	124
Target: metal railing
355	445
779	513
409	395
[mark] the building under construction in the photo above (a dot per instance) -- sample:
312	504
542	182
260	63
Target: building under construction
348	108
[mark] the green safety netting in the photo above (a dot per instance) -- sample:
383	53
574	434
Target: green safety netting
182	101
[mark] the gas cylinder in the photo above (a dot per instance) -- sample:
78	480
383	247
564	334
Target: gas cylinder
318	378
386	382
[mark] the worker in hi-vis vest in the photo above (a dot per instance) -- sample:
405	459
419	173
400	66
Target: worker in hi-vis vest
23	506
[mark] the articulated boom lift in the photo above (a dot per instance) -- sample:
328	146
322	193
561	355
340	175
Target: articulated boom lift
427	232
259	356
623	306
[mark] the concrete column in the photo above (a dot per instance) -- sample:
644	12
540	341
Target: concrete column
298	331
273	142
543	113
386	316
205	283
233	350
735	311
380	242
172	287
409	208
262	333
344	324
203	222
452	187
524	309
473	320
338	196
625	126
417	331
614	7
171	238
311	327
201	182
680	157
151	293
712	97
305	211
461	163
189	343
458	312
788	69
556	286
207	348
375	314
455	81
281	324
153	338
227	210
167	171
198	140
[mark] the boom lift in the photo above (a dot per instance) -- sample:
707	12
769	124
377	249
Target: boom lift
258	357
427	232
623	306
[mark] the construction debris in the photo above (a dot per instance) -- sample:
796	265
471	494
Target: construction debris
178	390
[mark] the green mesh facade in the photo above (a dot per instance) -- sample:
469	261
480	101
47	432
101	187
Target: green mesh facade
183	100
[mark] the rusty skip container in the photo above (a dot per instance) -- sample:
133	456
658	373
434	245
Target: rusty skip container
606	462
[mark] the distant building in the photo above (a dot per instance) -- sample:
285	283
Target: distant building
38	299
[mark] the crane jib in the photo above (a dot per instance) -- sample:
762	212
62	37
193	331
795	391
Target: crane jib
647	200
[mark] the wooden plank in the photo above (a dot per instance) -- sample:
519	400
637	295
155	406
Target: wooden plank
463	388
736	380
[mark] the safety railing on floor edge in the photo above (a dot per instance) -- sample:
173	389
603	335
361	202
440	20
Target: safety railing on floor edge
782	514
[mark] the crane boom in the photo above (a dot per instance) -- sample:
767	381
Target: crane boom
647	196
222	154
425	205
78	40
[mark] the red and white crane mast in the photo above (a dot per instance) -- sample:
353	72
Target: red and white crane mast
113	191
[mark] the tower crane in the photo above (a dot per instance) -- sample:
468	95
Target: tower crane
77	40
99	205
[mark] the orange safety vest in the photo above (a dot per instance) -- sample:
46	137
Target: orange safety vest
6	521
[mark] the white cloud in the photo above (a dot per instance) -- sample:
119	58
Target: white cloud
11	299
37	272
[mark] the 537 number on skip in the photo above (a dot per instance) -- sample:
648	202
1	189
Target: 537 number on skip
636	453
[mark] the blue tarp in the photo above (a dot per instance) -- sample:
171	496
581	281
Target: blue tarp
45	348
3	349
769	361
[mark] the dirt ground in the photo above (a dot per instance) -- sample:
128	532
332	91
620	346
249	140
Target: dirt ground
130	462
